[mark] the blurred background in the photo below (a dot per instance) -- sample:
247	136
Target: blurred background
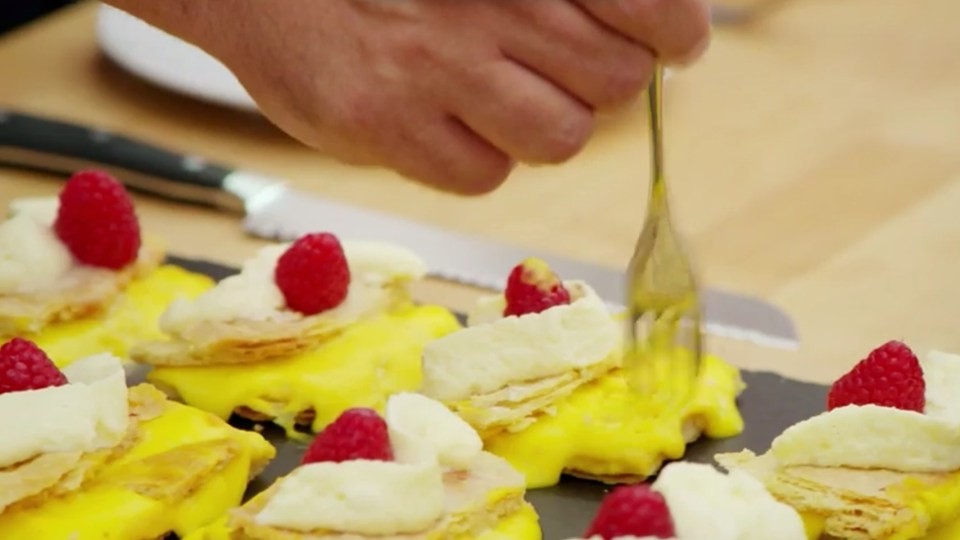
814	155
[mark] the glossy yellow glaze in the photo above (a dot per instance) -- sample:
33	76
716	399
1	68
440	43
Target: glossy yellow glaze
950	531
523	525
186	469
936	509
812	525
130	319
938	505
360	367
605	429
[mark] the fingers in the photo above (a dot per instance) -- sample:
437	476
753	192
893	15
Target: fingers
559	41
520	112
677	30
419	142
464	135
447	155
453	92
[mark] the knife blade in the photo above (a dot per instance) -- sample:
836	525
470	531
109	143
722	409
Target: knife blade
273	210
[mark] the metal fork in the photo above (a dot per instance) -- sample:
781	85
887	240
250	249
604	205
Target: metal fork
663	351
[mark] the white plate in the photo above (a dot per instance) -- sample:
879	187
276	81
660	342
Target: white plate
167	61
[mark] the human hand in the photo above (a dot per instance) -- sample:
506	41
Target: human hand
448	92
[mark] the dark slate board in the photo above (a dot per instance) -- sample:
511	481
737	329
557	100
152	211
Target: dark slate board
769	405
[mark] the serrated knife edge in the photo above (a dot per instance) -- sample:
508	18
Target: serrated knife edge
60	147
483	263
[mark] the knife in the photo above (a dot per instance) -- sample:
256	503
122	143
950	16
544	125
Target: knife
275	211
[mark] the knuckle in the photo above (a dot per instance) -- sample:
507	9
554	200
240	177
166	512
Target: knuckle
413	50
643	10
465	167
561	25
699	29
700	17
567	136
626	79
677	29
694	52
485	176
353	112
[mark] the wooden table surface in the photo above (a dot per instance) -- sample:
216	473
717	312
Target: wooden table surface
815	159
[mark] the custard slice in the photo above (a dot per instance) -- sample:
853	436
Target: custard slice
872	472
269	362
421	474
545	391
119	464
74	309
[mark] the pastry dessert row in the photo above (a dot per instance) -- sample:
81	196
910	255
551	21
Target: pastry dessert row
78	278
416	472
83	456
419	426
309	329
416	425
880	463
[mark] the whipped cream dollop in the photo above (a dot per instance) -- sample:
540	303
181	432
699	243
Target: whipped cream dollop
380	497
420	426
870	436
87	414
362	496
32	257
706	504
253	294
496	351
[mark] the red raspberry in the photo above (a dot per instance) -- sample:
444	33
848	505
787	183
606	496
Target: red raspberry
533	287
313	274
97	221
356	434
23	366
890	376
632	511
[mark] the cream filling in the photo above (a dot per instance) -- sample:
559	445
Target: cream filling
32	258
883	437
380	497
253	295
89	413
498	351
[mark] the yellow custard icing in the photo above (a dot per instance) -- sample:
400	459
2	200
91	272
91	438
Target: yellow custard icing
360	367
946	532
523	525
186	468
950	531
604	429
812	525
936	510
937	505
132	317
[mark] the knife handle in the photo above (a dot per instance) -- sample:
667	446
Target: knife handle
58	147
